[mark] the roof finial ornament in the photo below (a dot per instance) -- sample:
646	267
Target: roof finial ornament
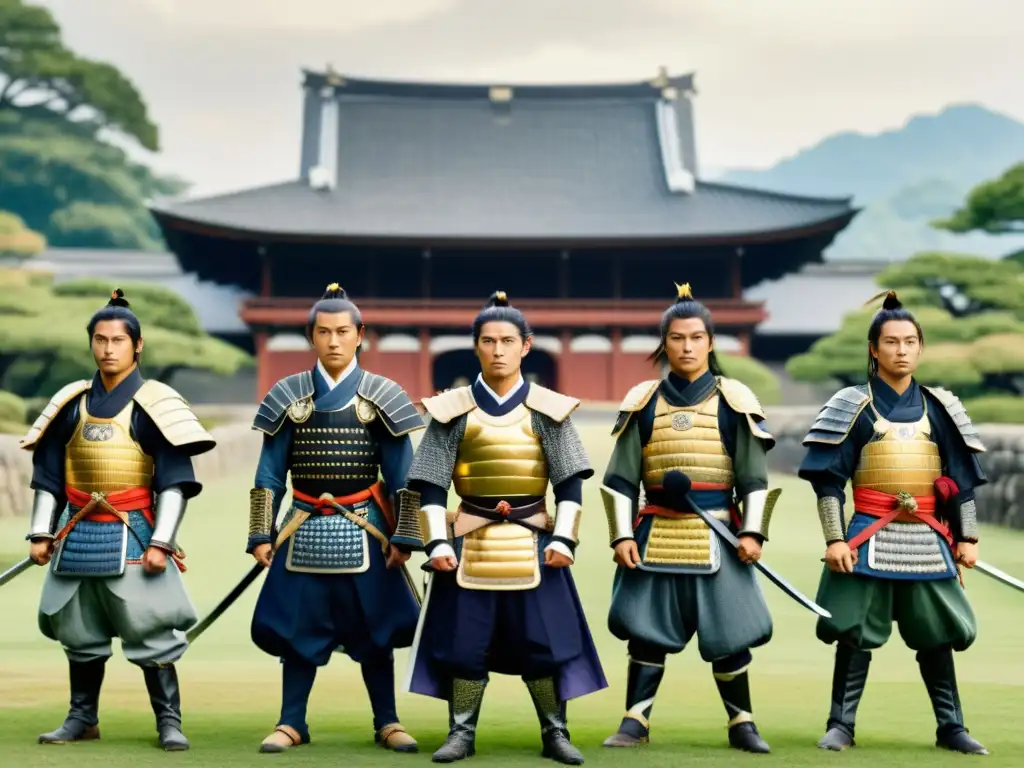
332	76
662	80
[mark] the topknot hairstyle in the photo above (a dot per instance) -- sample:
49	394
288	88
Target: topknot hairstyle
499	310
892	309
117	308
333	302
686	307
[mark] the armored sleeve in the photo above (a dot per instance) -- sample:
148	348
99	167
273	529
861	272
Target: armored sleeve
563	449
395	458
622	480
172	466
269	486
963	468
48	455
829	468
434	461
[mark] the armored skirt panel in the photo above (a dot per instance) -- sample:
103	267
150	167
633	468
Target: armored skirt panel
900	458
321	595
333	452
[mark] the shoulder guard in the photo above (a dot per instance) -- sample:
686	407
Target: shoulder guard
836	418
958	414
554	405
174	418
742	399
64	395
291	396
392	403
634	401
450	404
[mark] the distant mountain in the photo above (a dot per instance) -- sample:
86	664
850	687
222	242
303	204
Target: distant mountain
903	179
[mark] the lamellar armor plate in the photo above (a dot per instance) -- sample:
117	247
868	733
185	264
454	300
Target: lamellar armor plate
331	452
902	458
102	457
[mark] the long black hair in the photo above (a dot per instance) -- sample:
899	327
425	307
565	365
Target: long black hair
892	309
333	302
498	310
686	307
118	308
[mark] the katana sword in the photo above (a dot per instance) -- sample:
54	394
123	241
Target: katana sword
16	569
677	485
224	604
989	570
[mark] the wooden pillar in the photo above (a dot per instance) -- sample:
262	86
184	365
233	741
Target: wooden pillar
266	274
426	378
613	379
368	357
263	372
737	277
744	339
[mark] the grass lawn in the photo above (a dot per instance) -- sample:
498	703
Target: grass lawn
231	690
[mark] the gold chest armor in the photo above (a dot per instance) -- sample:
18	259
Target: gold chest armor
500	457
101	455
900	457
685	438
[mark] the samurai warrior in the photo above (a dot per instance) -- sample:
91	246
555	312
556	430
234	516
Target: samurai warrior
674	577
501	597
112	474
911	453
334	580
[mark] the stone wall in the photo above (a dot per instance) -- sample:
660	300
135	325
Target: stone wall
238	449
999	501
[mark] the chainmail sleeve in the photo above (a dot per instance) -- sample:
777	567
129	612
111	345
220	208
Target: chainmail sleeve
563	448
434	461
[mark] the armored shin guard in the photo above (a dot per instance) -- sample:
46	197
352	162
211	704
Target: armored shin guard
848	680
733	683
554	730
82	721
642	683
939	675
463	713
165	698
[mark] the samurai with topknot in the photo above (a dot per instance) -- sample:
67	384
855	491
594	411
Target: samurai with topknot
675	577
112	474
911	453
501	597
335	581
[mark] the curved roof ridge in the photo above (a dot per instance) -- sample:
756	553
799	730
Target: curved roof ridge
761	192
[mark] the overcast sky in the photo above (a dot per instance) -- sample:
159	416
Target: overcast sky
221	77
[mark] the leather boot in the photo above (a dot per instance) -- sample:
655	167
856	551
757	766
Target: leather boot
463	713
939	676
642	684
165	698
848	679
82	722
554	729
734	688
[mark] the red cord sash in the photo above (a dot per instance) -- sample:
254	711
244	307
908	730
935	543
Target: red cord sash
886	507
375	491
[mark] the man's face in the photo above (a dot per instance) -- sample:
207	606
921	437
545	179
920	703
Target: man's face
687	346
335	338
112	347
501	349
899	349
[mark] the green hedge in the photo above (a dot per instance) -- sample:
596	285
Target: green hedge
12	408
996	409
754	374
